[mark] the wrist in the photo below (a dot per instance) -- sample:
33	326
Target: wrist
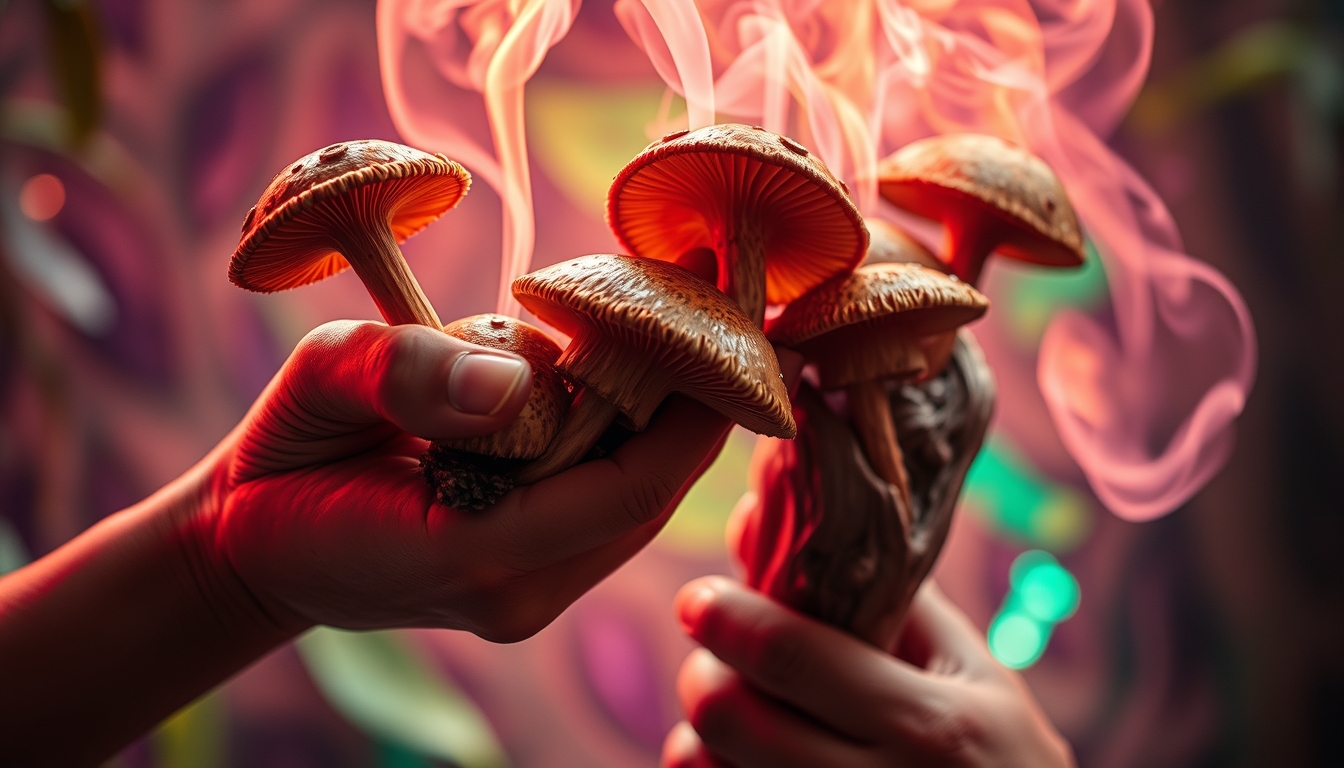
192	514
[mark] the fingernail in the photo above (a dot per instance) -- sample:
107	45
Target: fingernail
691	606
481	383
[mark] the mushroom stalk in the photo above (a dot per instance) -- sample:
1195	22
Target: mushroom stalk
374	255
588	418
968	245
870	412
741	255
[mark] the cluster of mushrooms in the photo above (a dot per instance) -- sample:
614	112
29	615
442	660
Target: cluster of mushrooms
720	224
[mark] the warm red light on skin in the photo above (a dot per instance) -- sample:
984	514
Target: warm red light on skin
42	197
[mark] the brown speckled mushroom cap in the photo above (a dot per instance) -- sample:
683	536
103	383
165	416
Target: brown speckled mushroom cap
643	329
867	325
957	177
888	244
531	431
692	190
310	222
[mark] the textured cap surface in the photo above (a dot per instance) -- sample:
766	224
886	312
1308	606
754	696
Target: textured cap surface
919	299
644	328
531	431
869	325
677	193
285	242
938	176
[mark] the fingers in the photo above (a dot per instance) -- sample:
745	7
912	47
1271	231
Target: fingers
739	725
600	502
938	637
425	382
683	749
840	680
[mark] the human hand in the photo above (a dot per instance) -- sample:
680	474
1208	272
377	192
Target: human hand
316	502
774	688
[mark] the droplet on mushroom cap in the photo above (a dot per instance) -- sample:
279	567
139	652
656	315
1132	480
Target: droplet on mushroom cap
643	329
961	176
288	238
685	192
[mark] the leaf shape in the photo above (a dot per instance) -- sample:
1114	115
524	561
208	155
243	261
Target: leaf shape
382	685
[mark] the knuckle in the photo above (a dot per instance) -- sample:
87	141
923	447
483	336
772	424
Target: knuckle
950	730
648	496
389	361
781	657
512	623
715	716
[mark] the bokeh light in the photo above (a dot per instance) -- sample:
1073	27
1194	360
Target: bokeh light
42	197
1046	591
1041	594
1017	640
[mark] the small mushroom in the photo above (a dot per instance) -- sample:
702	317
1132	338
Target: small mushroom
474	472
865	328
348	205
990	196
764	212
887	244
641	330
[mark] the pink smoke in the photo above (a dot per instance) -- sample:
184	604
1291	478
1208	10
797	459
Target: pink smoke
1143	398
490	47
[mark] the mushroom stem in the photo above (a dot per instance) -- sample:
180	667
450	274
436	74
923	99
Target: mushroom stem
968	244
741	253
870	412
588	418
374	255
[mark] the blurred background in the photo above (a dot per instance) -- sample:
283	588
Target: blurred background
135	134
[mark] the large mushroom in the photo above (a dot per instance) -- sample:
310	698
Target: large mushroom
864	329
474	472
348	205
642	329
750	210
990	196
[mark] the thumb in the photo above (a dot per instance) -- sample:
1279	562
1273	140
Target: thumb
421	380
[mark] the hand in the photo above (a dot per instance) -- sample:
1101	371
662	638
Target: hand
313	511
774	688
316	502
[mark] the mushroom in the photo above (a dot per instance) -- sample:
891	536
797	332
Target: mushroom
474	472
990	196
888	244
642	329
764	212
865	328
348	205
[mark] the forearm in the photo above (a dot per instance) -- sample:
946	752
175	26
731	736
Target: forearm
115	630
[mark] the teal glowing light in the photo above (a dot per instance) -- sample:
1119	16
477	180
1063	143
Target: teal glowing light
1017	640
1018	502
1041	594
1044	589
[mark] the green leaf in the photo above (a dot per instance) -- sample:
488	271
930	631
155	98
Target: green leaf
379	682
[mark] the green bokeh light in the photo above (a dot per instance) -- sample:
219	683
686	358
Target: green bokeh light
1045	590
1020	503
1017	640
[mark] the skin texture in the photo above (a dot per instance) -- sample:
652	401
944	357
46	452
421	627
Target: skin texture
312	511
774	688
